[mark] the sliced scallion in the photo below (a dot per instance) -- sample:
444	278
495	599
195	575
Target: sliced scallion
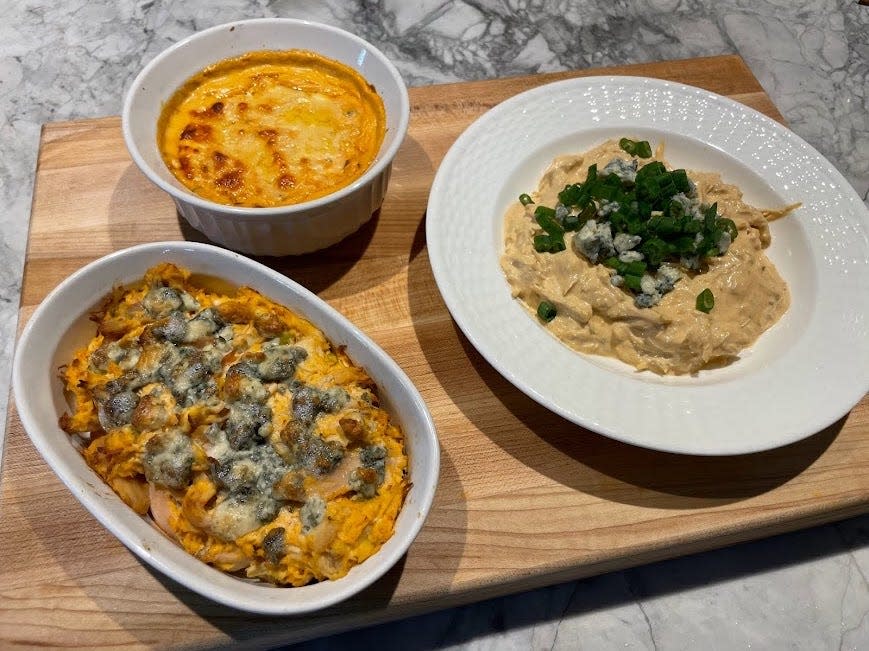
705	301
638	148
546	311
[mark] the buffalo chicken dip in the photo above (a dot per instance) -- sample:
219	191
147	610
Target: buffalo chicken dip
663	269
251	440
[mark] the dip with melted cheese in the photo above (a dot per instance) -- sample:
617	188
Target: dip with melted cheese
670	337
251	441
271	128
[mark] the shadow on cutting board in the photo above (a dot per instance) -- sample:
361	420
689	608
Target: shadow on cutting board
139	211
242	626
614	470
160	221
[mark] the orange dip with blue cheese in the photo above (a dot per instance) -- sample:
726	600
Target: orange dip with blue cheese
252	441
271	128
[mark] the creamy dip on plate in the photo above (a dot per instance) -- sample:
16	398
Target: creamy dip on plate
672	337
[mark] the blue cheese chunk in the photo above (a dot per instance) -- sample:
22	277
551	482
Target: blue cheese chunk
625	242
666	278
168	459
160	301
606	208
594	241
312	513
631	256
626	170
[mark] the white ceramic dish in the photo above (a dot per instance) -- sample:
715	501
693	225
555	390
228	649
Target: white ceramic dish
799	377
284	230
60	325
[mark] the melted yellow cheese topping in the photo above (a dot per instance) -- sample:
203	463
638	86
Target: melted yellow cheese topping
271	128
252	441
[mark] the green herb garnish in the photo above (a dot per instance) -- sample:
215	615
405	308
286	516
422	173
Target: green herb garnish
544	243
655	209
705	301
546	311
525	199
639	148
552	240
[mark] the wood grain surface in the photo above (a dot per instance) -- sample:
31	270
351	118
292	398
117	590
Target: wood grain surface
525	498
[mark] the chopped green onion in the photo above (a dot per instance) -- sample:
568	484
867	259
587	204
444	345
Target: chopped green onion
545	243
633	282
571	223
525	199
639	148
571	195
658	208
616	264
705	301
552	241
546	311
546	218
542	243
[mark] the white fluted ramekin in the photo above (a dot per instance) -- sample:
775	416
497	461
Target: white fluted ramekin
282	230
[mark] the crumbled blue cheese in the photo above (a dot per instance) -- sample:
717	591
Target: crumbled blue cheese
625	242
246	479
648	284
160	301
309	402
235	516
125	356
168	458
647	299
667	277
606	208
626	170
190	304
690	204
631	256
248	422
280	362
116	409
174	329
654	287
312	513
204	324
692	188
594	241
368	477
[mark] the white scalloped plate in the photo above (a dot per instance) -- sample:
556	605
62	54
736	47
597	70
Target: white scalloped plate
803	374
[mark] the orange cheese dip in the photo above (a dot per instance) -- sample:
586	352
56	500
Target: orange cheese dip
271	128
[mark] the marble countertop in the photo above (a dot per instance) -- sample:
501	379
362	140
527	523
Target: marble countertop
805	590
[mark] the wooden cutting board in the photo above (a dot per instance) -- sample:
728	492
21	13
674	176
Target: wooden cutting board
525	498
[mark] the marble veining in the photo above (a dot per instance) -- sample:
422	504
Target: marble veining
806	590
